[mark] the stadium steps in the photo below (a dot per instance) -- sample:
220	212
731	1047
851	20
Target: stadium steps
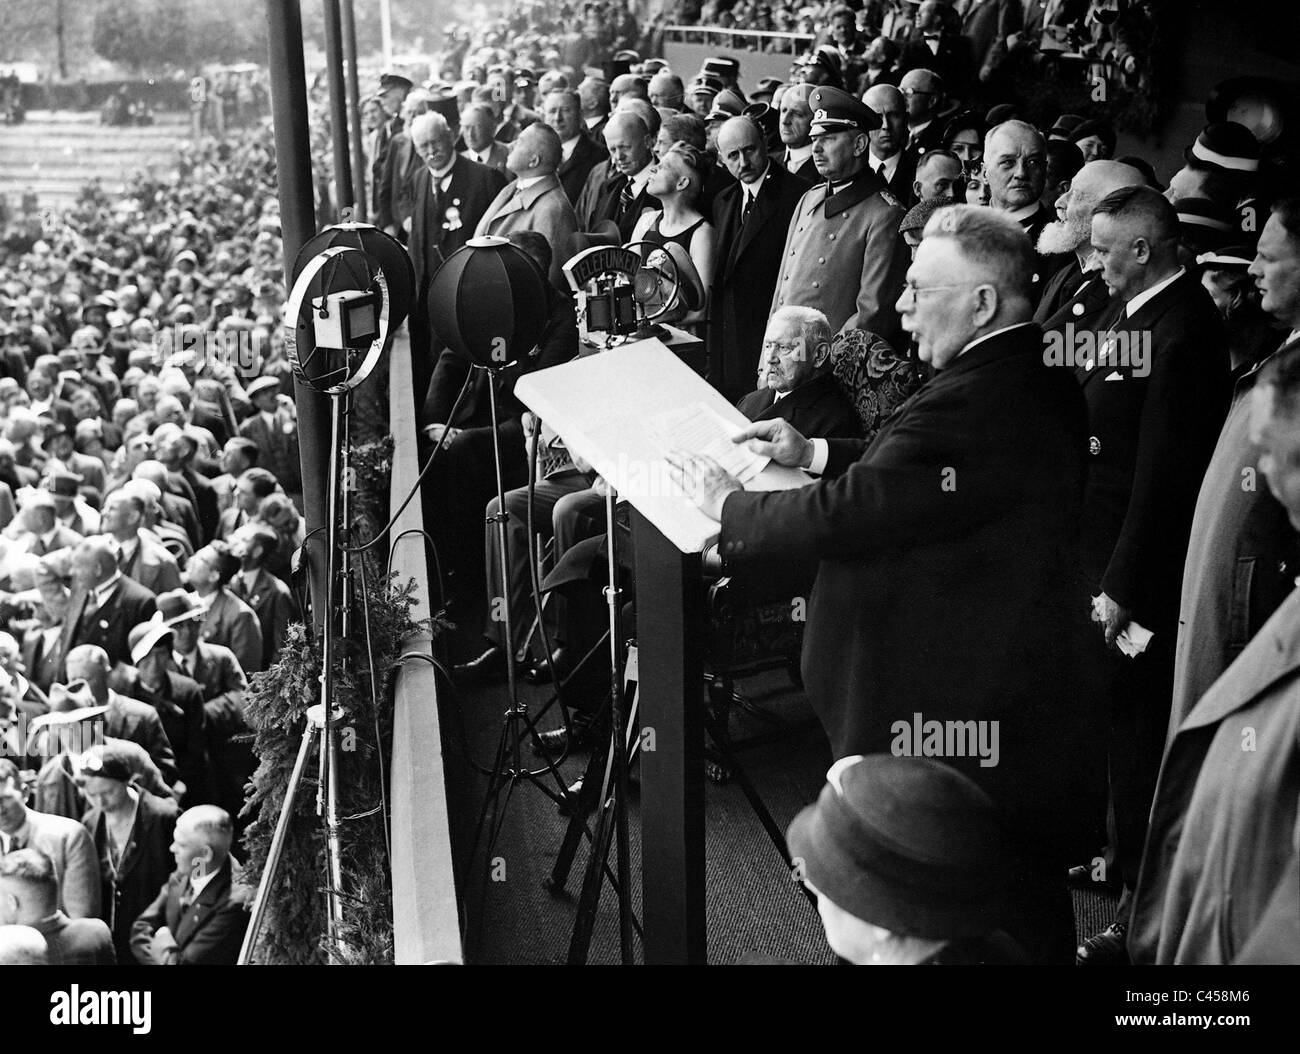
56	153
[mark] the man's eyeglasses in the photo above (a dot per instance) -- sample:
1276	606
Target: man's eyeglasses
914	291
785	347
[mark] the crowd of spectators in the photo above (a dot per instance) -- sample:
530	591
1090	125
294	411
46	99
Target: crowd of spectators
150	495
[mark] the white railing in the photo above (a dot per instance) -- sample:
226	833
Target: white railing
770	41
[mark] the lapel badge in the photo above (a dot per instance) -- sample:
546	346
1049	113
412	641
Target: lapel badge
1094	446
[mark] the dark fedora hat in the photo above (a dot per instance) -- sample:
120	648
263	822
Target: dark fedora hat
908	844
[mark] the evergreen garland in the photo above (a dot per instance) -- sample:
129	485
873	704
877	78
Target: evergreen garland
294	926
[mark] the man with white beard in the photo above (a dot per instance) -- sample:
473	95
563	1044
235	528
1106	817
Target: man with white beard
1076	292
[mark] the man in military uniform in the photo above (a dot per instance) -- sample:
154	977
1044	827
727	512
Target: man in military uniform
843	254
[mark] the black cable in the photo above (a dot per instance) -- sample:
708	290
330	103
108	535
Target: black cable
415	487
431	546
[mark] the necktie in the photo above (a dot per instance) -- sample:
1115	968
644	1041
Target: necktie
625	198
747	209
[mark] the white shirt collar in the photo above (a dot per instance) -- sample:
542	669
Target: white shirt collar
524	184
444	173
796	156
105	590
197	885
566	147
751	190
989	336
1132	306
591	122
640	180
890	166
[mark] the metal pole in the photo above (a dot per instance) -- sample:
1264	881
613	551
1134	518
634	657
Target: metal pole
298	225
329	776
618	731
351	77
386	32
277	843
343	195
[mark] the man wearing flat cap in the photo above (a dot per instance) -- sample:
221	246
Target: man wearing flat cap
843	254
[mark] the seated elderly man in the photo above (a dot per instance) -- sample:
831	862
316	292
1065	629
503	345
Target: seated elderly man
797	384
29	896
206	878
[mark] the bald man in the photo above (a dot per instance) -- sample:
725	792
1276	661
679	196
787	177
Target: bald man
1076	292
795	129
201	912
535	201
104	605
752	216
889	158
923	91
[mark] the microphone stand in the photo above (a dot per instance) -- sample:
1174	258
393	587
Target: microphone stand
613	788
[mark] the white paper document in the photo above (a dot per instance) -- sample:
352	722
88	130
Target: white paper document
624	409
696	429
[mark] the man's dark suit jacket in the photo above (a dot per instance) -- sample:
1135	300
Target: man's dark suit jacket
77	942
128	605
223	684
1070	296
277	446
944	549
205	504
435	235
180	707
143	866
393	193
140	723
273	604
818	408
904	176
607	206
210	931
1151	438
954	62
747	261
438	229
807	171
573	173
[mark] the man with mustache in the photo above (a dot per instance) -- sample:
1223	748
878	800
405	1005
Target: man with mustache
1015	164
1076	293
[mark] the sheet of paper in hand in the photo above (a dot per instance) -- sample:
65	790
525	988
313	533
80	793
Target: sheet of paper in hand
698	430
624	409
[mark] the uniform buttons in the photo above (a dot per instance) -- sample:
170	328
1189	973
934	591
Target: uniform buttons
821	259
1094	446
817	285
737	546
831	237
1077	309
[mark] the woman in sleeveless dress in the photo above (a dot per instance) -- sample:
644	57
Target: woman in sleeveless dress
675	180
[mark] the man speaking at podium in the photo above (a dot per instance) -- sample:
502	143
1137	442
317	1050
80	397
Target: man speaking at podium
943	551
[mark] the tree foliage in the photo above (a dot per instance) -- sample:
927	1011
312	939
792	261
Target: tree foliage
153	35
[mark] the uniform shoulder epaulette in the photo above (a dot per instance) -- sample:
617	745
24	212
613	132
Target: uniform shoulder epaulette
889	197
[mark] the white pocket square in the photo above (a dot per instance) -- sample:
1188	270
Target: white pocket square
1116	376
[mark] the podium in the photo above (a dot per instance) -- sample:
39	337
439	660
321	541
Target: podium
602	407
